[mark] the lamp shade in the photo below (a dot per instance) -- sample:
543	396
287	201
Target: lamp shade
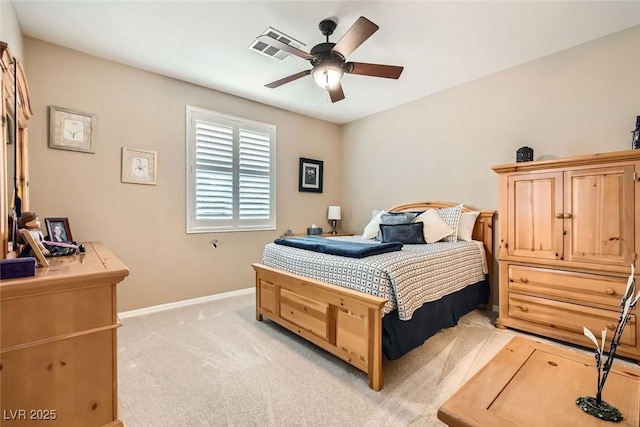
327	75
334	212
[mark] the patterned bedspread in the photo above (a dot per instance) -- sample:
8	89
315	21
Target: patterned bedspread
407	278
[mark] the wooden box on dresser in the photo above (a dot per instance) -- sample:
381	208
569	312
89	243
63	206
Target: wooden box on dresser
58	345
568	234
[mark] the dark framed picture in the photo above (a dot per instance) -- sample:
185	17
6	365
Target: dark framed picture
310	175
58	229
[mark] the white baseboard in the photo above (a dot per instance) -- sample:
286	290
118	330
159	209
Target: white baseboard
184	303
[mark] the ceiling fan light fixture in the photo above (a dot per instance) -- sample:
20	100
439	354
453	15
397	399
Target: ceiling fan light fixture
329	60
327	75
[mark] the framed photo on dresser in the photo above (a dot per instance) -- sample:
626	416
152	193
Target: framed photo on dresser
58	229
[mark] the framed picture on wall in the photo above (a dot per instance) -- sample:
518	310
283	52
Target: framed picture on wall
139	166
58	229
310	178
71	130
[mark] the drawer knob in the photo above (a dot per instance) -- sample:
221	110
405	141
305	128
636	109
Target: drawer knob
523	308
524	279
610	291
611	326
558	215
567	215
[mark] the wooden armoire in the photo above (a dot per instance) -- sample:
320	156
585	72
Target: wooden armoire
568	235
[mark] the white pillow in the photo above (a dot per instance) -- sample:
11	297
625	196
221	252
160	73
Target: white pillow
371	229
434	228
466	224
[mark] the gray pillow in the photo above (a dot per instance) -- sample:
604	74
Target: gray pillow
410	234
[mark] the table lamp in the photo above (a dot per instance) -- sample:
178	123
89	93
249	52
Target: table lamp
334	217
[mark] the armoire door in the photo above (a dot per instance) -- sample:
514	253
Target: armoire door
600	215
535	223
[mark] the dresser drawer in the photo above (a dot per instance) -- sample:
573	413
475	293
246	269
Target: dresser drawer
583	288
75	378
48	315
566	320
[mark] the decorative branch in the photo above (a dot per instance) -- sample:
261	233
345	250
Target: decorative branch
627	303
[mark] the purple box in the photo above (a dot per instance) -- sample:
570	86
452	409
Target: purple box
17	267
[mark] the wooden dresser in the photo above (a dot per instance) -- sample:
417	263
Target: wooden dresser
568	234
58	347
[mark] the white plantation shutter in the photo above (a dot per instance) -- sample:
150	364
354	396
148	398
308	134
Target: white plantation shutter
214	171
254	178
230	173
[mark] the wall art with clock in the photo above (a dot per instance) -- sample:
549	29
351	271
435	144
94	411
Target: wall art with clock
139	166
71	130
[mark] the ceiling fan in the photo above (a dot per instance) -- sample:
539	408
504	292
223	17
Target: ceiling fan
329	59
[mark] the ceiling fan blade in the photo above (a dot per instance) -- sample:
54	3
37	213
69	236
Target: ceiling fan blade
374	70
361	30
336	93
265	38
288	79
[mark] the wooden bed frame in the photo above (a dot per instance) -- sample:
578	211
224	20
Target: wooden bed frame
344	322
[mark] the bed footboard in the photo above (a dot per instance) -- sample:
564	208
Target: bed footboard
346	323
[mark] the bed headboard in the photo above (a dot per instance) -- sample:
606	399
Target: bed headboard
482	231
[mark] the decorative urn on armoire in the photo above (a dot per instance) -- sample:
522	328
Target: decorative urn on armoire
524	154
635	140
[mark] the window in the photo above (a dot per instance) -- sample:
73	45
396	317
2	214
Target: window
230	173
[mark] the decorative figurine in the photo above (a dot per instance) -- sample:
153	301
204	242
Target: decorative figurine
595	405
31	222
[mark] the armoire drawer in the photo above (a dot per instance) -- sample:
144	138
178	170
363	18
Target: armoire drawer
589	289
569	319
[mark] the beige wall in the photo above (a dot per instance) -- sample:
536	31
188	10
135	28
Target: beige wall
10	31
145	225
582	100
442	147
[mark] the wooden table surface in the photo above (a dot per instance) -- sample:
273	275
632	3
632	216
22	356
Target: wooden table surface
533	384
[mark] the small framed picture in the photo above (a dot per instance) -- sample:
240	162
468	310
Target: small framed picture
139	166
71	130
310	175
35	249
58	229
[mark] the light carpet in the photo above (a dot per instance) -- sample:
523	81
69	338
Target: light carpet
213	364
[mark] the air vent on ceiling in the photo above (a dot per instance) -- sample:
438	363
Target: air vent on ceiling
274	52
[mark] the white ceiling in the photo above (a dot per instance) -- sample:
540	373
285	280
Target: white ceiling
441	44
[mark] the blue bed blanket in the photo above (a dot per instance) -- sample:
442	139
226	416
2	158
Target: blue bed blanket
339	247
